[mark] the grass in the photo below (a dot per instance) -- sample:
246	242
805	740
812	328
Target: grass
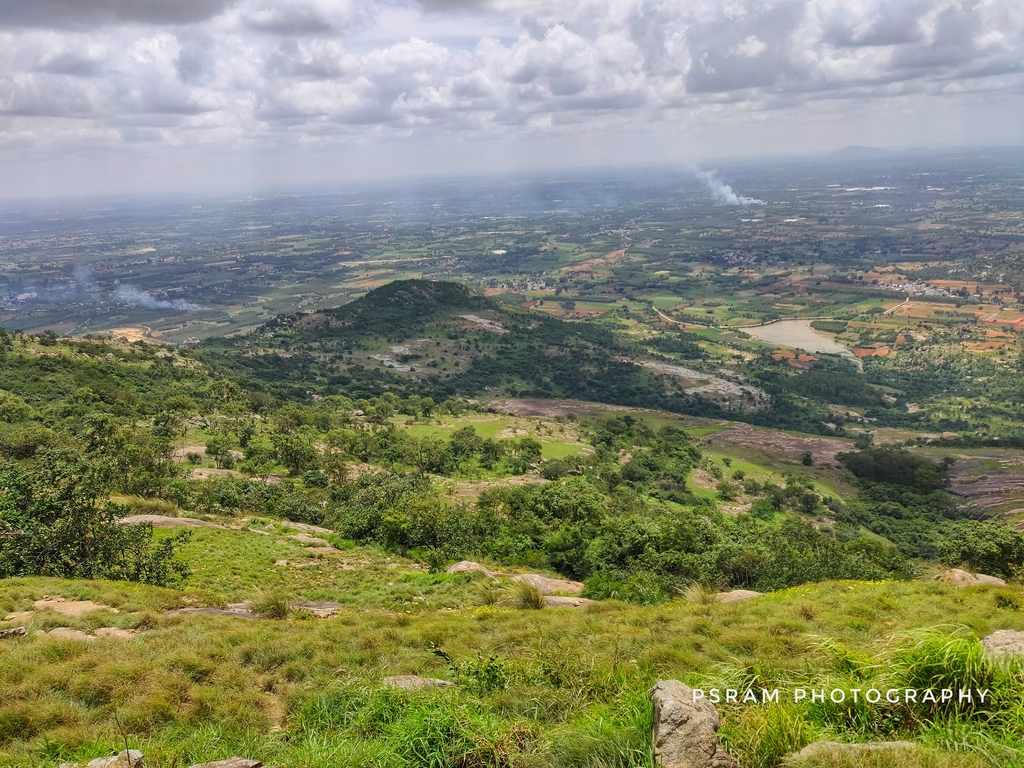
550	687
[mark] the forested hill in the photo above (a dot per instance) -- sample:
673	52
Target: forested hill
438	339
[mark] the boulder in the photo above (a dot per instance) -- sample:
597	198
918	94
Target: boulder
468	566
231	762
321	609
114	632
685	730
126	758
414	682
548	586
13	632
834	747
737	596
559	601
306	527
1004	642
959	578
212	612
66	633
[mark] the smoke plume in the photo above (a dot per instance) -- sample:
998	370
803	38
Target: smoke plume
723	192
129	294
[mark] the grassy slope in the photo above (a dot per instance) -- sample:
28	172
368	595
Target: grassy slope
544	688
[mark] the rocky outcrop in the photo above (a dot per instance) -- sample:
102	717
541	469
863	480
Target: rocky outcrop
737	596
547	586
66	633
468	566
414	682
320	609
70	607
164	521
819	748
127	758
958	578
132	758
1004	642
560	601
686	729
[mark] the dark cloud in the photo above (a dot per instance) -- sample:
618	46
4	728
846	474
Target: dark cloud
75	63
291	22
196	60
74	13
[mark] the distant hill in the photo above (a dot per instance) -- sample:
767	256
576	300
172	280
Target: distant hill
439	339
856	152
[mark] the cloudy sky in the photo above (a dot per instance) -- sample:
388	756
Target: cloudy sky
122	95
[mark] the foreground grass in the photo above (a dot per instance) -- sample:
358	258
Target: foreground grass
535	688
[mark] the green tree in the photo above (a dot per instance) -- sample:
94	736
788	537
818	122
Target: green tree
55	520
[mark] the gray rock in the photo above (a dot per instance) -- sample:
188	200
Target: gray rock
130	758
558	601
835	747
547	586
231	762
959	578
737	596
66	633
320	609
1004	642
13	632
211	612
468	566
685	731
414	682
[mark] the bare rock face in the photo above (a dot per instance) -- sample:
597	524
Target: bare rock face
114	632
231	762
959	578
835	747
66	633
559	601
737	596
1004	642
685	730
414	682
320	609
468	566
548	586
129	758
163	521
70	607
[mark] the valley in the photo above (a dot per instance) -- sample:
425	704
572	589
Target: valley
292	450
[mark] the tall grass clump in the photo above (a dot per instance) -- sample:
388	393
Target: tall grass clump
528	597
270	604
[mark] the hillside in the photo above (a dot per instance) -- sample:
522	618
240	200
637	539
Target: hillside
438	339
274	557
551	687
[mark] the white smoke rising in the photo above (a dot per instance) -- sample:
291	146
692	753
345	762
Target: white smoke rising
129	294
723	192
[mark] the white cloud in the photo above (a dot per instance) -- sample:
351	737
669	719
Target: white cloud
282	72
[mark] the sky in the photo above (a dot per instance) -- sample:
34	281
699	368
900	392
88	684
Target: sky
116	96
